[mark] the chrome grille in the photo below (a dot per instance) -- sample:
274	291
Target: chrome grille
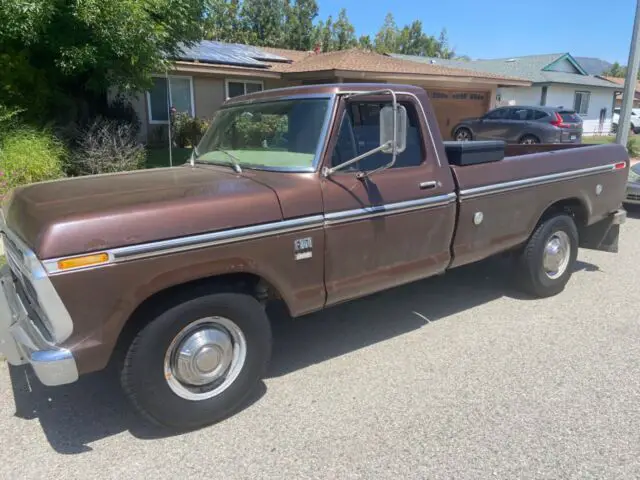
24	288
633	196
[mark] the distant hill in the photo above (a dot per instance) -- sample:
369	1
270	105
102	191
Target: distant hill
593	66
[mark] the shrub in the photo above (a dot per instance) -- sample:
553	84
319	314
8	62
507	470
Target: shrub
29	155
121	111
632	148
186	131
106	146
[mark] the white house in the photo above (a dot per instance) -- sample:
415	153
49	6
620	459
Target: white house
556	80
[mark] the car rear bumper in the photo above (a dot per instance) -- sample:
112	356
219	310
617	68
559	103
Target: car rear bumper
22	343
633	194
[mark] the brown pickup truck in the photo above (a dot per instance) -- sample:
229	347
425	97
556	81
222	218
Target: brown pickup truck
310	195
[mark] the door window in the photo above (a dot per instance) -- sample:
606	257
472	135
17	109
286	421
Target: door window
499	114
360	132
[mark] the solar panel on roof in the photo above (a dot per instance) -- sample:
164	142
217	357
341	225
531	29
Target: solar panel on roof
209	51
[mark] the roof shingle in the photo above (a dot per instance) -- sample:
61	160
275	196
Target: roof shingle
367	61
529	67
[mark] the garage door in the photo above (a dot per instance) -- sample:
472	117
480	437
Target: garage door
451	106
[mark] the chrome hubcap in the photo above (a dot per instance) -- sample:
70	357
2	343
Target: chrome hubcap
462	135
556	255
205	358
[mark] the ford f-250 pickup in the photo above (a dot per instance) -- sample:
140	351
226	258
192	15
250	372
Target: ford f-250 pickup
312	195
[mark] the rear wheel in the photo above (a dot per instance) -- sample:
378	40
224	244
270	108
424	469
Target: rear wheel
463	134
547	261
529	140
197	362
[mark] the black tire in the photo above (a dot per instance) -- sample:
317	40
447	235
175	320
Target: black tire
532	275
464	133
143	378
529	139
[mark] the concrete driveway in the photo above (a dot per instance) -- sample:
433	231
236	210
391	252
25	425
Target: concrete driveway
452	377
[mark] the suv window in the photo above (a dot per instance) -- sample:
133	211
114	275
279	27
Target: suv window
498	114
538	114
521	114
569	117
360	132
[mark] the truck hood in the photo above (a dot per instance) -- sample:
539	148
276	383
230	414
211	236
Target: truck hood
84	214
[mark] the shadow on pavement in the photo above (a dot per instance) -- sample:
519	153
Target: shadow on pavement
74	416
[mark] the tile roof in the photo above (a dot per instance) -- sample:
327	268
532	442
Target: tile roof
529	67
367	61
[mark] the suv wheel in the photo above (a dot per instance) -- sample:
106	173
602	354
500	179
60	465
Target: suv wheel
463	135
529	140
197	362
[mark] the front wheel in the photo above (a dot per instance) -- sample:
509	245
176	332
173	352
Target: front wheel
197	362
548	259
529	140
463	135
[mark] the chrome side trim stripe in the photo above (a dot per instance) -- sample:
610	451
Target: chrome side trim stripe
531	182
216	238
392	208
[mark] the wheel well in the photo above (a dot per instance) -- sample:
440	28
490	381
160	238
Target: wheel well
522	137
572	206
162	300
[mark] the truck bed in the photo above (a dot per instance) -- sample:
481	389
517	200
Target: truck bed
484	189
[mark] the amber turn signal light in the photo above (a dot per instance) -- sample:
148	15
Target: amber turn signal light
84	261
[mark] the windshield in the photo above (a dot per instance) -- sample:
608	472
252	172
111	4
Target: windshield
636	169
275	134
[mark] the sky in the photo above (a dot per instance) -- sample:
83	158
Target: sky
504	28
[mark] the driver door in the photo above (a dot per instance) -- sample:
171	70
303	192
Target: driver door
394	226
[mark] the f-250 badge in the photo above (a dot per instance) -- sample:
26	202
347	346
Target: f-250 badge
302	248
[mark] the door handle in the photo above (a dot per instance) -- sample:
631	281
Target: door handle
428	185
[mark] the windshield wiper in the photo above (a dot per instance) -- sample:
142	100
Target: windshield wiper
233	160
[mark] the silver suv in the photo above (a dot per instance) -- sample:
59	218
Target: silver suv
522	124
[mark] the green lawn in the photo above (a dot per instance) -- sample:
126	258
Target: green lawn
159	157
609	139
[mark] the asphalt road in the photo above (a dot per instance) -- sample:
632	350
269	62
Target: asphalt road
452	377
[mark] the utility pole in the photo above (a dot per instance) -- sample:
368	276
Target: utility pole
630	82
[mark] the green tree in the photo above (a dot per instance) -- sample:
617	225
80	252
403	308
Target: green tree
264	22
386	40
616	70
344	33
365	42
222	22
324	35
443	50
299	24
61	56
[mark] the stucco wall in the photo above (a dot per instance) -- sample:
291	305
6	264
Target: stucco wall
519	96
600	98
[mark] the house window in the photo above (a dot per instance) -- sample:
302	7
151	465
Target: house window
581	102
543	96
158	101
236	88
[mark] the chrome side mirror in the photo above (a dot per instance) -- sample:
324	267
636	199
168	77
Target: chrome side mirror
393	132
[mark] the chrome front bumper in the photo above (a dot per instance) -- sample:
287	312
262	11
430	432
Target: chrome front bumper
21	341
